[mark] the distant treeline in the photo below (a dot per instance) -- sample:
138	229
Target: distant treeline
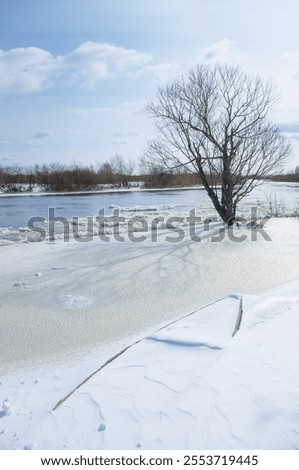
116	172
292	176
57	177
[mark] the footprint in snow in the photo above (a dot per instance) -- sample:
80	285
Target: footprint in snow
22	283
6	408
29	446
76	302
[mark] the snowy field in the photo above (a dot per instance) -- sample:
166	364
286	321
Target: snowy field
68	308
190	385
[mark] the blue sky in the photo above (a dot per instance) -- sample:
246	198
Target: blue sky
75	75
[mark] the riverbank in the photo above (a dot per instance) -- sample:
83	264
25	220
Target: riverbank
100	191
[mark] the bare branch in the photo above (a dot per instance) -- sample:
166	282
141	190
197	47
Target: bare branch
215	123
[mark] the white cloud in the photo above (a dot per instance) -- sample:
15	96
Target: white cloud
161	73
124	138
221	51
26	70
291	57
122	109
9	157
285	74
43	135
80	134
93	61
125	134
122	142
289	127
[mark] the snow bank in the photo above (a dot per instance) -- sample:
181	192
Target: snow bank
189	385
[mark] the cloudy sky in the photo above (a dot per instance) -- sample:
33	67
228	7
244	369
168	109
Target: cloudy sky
75	75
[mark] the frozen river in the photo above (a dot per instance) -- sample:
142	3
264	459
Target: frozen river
60	299
15	211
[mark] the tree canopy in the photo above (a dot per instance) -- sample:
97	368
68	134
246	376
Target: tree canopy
215	122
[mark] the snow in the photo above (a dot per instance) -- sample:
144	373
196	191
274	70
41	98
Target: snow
188	385
6	408
130	345
103	189
75	301
99	292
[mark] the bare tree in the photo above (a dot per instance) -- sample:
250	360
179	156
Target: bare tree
155	175
11	179
215	123
122	170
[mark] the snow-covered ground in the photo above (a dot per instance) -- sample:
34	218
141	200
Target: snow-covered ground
102	189
67	308
189	385
59	298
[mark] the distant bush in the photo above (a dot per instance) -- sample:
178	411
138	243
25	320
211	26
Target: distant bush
57	177
12	179
60	178
292	176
